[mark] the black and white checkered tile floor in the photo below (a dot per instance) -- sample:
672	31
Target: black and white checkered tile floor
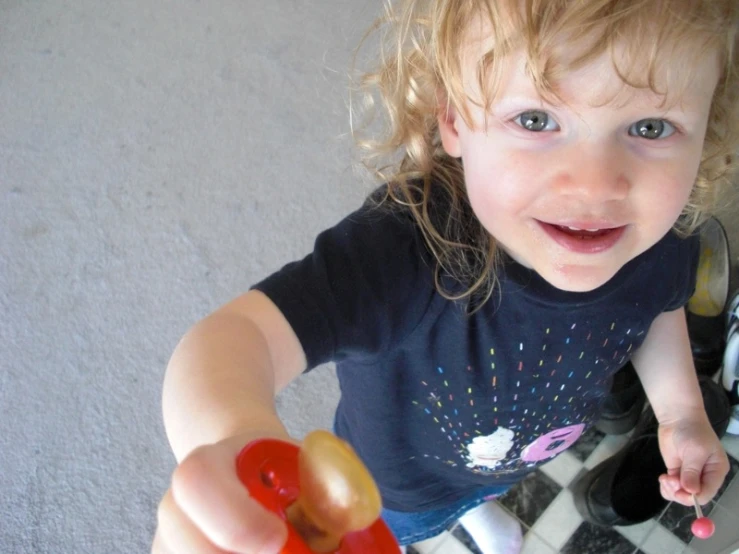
544	505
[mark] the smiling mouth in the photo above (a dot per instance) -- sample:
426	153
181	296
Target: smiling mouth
584	240
583	233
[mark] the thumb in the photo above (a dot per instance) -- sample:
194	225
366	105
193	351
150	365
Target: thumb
691	471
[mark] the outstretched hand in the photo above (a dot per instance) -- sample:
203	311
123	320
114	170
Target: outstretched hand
696	461
208	510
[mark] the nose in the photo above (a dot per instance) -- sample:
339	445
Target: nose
593	173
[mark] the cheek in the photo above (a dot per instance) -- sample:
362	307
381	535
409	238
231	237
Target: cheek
664	194
504	185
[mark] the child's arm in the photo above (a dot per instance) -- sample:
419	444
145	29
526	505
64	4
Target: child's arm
219	395
694	457
224	373
665	367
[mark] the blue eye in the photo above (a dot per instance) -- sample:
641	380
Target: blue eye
536	121
651	129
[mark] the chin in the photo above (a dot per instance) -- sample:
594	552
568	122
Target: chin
578	278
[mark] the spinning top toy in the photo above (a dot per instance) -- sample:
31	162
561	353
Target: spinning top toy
322	490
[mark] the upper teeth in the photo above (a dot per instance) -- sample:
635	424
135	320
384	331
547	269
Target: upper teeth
578	229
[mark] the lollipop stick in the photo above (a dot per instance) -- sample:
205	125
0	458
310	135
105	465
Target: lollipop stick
698	509
702	527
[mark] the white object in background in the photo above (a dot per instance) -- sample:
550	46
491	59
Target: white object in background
732	312
730	377
445	543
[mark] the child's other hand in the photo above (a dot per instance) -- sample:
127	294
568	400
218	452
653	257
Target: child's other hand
696	462
207	510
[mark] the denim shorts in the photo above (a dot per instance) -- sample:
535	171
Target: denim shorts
410	527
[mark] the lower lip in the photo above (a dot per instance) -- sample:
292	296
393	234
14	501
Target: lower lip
584	244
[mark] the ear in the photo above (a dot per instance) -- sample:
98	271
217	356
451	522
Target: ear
447	118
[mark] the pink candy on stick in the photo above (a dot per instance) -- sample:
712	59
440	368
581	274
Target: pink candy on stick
702	527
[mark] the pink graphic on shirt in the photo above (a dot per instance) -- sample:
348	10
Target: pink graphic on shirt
552	443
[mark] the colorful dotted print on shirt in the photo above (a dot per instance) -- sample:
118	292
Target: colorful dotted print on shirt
544	378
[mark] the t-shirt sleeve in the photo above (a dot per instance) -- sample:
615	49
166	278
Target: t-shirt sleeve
363	289
685	267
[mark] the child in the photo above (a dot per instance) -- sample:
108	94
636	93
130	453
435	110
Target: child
525	247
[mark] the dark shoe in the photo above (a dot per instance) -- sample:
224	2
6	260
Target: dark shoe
624	489
706	308
623	406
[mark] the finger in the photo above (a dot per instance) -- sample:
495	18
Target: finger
176	533
692	470
158	546
684	498
207	489
672	482
665	491
669	485
678	493
672	490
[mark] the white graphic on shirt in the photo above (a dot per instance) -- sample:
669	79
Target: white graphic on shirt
490	450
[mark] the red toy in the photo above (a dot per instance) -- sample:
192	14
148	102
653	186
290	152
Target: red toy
323	492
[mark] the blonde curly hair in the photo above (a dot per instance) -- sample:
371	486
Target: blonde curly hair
421	46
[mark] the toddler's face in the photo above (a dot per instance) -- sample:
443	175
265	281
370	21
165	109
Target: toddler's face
576	190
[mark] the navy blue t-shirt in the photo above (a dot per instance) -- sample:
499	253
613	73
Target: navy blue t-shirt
438	402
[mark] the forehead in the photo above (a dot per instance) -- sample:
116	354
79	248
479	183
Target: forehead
581	68
616	80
